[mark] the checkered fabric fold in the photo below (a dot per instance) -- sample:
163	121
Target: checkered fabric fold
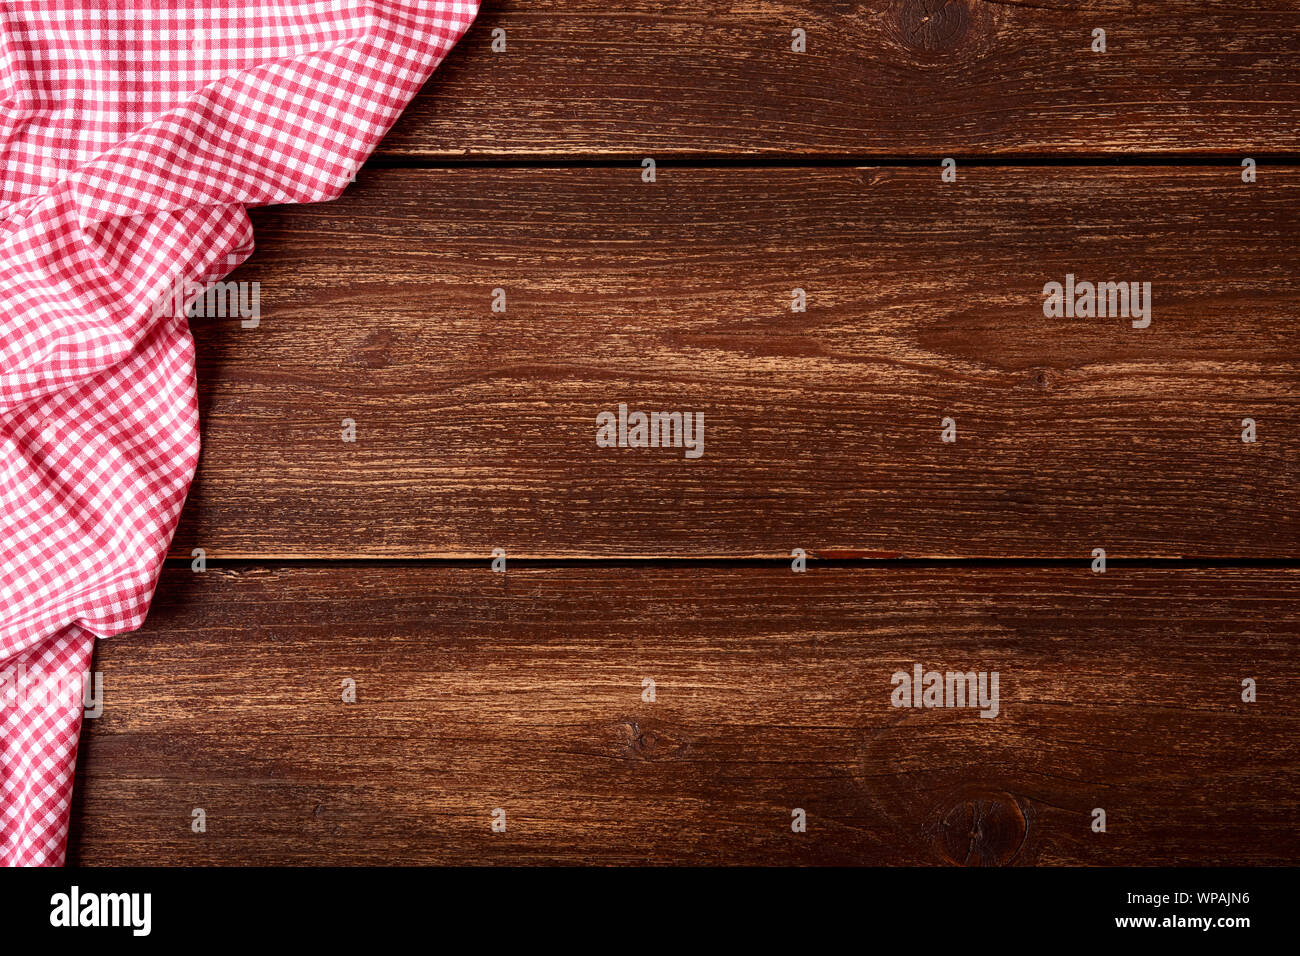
132	137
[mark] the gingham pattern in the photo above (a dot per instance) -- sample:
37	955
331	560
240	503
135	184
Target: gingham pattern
132	136
39	724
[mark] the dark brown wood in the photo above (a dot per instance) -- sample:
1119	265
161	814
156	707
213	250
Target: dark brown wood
524	691
883	78
477	430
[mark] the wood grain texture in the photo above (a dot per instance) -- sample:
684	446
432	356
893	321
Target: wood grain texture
477	431
524	691
884	77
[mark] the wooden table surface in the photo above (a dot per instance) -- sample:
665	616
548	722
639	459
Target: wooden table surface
649	680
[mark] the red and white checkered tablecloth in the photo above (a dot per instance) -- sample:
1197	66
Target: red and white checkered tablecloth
132	137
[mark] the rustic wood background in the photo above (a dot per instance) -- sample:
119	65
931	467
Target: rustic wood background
477	690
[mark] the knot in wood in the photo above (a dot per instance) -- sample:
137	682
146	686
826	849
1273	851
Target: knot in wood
982	829
933	26
645	743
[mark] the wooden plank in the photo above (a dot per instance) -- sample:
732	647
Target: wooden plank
524	691
925	300
885	77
